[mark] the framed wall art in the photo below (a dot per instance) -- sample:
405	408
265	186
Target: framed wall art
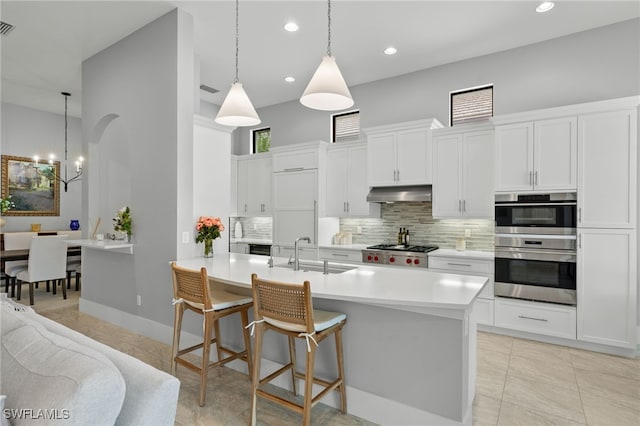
32	186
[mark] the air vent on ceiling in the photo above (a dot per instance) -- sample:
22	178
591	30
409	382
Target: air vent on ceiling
208	89
5	28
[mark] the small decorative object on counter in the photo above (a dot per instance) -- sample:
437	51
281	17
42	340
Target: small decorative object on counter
461	244
407	238
74	224
123	221
36	227
209	229
238	231
400	237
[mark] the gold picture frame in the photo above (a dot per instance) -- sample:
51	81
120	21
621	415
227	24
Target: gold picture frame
32	186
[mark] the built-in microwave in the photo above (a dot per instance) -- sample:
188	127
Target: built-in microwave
546	214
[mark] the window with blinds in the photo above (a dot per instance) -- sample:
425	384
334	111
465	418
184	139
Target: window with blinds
346	126
471	104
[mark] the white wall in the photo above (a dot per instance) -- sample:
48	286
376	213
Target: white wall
599	64
137	127
27	132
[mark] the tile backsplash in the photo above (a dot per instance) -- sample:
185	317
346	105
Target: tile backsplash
258	228
423	228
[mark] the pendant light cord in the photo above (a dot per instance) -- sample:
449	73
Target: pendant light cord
329	25
237	41
66	98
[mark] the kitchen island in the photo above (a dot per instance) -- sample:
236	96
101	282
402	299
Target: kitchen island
409	342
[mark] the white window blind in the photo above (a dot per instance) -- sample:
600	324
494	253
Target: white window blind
346	126
471	104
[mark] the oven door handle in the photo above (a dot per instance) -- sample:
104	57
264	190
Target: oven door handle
542	204
566	256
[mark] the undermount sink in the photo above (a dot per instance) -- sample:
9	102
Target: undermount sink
317	267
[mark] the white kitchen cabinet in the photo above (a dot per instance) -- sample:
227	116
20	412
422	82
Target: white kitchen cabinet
463	174
304	252
253	194
462	264
538	156
400	154
347	186
536	317
607	169
239	248
607	286
234	187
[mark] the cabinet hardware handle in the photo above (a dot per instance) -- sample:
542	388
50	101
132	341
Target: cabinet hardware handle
530	175
245	207
459	205
464	206
394	176
315	221
579	240
339	255
398	175
294	169
459	264
344	206
579	214
532	318
347	207
536	175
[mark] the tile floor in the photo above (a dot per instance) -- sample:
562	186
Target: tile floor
519	382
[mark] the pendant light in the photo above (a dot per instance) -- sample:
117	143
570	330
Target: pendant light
237	110
327	90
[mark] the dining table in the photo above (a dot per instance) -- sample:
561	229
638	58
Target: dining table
23	254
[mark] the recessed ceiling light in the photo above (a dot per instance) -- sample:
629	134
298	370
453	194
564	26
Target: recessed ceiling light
545	6
289	79
390	50
291	27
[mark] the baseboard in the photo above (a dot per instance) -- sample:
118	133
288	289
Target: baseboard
363	404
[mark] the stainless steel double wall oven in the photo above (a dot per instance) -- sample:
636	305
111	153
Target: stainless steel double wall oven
535	247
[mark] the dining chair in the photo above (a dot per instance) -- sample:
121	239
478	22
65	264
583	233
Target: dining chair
192	291
287	308
73	262
47	262
16	241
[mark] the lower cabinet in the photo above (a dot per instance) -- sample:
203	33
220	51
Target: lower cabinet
535	317
340	255
306	253
607	286
483	308
239	248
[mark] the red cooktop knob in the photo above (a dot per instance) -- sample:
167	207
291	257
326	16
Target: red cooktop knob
416	261
392	259
375	258
369	257
408	261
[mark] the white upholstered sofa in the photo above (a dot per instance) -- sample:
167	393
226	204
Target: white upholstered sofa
51	374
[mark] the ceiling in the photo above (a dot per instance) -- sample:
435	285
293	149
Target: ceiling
42	56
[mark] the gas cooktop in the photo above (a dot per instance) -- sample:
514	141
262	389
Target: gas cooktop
401	247
398	255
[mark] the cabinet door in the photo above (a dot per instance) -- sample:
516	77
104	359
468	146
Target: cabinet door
514	157
259	186
357	187
607	170
606	285
555	154
413	157
234	188
242	188
337	184
447	200
295	206
381	158
477	175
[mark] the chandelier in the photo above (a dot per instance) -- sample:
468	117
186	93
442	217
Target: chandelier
50	172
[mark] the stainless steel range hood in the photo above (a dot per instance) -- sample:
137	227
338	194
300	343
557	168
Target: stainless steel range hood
394	194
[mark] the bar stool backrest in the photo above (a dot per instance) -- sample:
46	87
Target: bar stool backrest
191	286
284	305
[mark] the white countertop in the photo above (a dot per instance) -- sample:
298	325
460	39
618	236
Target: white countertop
366	284
466	254
111	245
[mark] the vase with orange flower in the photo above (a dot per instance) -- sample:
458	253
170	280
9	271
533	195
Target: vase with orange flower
209	229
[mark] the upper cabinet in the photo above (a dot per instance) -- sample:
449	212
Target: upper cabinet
607	169
538	155
400	154
463	173
347	186
253	196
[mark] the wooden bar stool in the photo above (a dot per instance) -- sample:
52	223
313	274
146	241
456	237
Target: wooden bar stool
191	291
288	309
